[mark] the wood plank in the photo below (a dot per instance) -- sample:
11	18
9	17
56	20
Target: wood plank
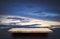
30	30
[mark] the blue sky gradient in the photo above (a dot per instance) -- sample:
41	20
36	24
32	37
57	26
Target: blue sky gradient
39	9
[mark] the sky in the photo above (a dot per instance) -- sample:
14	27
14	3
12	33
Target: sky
48	10
23	21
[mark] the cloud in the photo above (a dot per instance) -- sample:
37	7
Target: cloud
44	16
21	20
14	20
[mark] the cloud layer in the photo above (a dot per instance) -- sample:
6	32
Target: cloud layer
21	20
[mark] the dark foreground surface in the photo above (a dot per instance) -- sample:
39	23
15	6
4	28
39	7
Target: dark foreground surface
4	34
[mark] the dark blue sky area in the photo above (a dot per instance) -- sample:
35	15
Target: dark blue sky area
41	9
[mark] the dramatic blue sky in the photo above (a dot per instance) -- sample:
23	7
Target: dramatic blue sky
40	9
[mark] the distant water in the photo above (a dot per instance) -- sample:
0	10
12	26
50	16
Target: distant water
4	34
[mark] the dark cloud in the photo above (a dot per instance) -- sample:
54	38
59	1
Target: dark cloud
18	18
42	9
